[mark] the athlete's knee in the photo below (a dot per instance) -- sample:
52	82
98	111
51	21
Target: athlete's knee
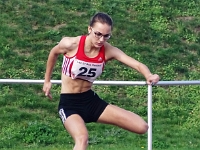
143	128
81	140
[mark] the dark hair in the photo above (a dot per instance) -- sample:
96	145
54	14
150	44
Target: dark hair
102	18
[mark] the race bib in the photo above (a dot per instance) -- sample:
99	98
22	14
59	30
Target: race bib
86	70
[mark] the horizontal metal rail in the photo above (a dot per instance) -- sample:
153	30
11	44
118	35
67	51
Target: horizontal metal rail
121	83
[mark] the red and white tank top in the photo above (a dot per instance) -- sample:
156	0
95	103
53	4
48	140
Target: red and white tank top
82	67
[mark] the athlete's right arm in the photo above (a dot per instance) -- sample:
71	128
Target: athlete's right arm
61	48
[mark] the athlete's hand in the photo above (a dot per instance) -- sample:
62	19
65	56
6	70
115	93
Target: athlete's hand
152	79
46	89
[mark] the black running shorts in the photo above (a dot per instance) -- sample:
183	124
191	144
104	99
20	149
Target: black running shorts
87	104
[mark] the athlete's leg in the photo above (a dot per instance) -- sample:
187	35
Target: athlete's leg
124	119
75	125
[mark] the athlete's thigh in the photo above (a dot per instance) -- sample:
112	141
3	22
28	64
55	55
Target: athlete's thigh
75	125
123	118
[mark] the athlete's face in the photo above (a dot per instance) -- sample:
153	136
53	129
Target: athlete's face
100	33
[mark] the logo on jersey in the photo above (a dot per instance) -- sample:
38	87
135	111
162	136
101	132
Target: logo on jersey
100	59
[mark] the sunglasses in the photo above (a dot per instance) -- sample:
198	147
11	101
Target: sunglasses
99	35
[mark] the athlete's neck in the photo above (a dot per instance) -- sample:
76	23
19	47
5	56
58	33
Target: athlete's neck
89	47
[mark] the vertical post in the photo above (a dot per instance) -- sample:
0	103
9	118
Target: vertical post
150	117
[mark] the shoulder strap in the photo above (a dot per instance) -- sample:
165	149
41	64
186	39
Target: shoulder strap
81	44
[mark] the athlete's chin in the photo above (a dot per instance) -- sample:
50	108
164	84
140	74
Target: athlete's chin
98	45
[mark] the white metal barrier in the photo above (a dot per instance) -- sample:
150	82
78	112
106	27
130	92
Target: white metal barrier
120	83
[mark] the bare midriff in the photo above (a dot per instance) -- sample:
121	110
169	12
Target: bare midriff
70	85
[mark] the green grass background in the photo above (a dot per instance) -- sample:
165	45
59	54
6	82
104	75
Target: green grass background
164	35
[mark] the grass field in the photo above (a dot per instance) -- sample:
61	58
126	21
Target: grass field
164	35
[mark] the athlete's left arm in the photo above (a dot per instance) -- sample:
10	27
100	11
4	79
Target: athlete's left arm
115	53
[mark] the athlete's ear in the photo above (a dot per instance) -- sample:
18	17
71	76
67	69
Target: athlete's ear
89	29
